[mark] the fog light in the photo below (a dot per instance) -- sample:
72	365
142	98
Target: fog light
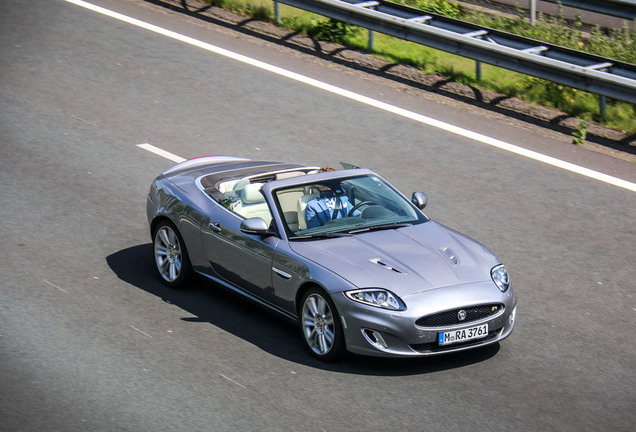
511	318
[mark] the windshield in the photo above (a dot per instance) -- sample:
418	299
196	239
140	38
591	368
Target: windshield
349	205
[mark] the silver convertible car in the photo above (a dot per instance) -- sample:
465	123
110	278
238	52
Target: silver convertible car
357	265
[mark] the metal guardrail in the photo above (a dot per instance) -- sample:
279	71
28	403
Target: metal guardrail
576	69
618	8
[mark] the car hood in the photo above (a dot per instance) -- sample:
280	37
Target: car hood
405	260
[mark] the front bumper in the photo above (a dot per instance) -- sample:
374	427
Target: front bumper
378	332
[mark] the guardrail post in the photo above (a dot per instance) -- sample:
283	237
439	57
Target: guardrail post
602	105
533	12
370	47
276	12
478	70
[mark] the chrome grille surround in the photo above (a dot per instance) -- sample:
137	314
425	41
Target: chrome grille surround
451	317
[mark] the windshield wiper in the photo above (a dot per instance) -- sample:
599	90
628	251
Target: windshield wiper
380	227
321	235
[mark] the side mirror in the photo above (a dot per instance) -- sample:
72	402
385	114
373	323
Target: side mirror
419	199
255	225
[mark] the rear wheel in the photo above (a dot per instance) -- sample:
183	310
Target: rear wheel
171	256
320	326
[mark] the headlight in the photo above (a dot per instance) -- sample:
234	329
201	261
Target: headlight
500	277
377	297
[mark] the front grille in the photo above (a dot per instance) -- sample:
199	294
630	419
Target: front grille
434	346
448	318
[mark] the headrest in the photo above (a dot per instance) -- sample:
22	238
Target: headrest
330	193
251	194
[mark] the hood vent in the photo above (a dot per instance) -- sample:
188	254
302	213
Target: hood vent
384	265
450	255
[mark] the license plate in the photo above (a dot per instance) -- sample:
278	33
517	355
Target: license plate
462	335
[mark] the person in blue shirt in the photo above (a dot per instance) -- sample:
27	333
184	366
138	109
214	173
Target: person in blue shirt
328	206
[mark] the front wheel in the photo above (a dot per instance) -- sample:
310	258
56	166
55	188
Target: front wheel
320	326
171	256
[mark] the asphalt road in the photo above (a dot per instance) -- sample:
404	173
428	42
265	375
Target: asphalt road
91	340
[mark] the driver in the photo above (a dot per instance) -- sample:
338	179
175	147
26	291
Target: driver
328	206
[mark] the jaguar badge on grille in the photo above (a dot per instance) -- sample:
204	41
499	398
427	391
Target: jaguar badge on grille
461	315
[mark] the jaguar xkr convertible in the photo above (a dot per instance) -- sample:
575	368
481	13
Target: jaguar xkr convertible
343	254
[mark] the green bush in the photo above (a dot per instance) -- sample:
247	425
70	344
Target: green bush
580	133
331	30
441	7
261	13
557	95
619	44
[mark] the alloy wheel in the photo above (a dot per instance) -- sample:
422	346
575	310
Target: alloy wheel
318	324
168	255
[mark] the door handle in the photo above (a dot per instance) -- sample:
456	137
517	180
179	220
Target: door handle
281	273
215	226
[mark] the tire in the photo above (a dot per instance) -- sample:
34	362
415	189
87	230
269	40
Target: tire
171	255
320	326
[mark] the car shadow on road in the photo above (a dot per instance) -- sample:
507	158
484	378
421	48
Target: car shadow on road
211	303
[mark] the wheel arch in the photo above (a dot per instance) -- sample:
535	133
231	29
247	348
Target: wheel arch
156	221
306	286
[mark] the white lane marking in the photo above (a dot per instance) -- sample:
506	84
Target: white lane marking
231	380
160	152
143	333
53	285
83	120
365	100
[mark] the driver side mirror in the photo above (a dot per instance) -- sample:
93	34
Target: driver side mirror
419	199
255	226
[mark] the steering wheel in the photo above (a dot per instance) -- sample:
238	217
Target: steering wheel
357	206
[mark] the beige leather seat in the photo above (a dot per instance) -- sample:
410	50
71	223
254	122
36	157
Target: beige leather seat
300	208
253	203
288	202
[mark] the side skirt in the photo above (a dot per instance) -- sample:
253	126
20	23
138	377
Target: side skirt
257	300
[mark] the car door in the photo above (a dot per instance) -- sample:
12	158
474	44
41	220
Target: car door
242	260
